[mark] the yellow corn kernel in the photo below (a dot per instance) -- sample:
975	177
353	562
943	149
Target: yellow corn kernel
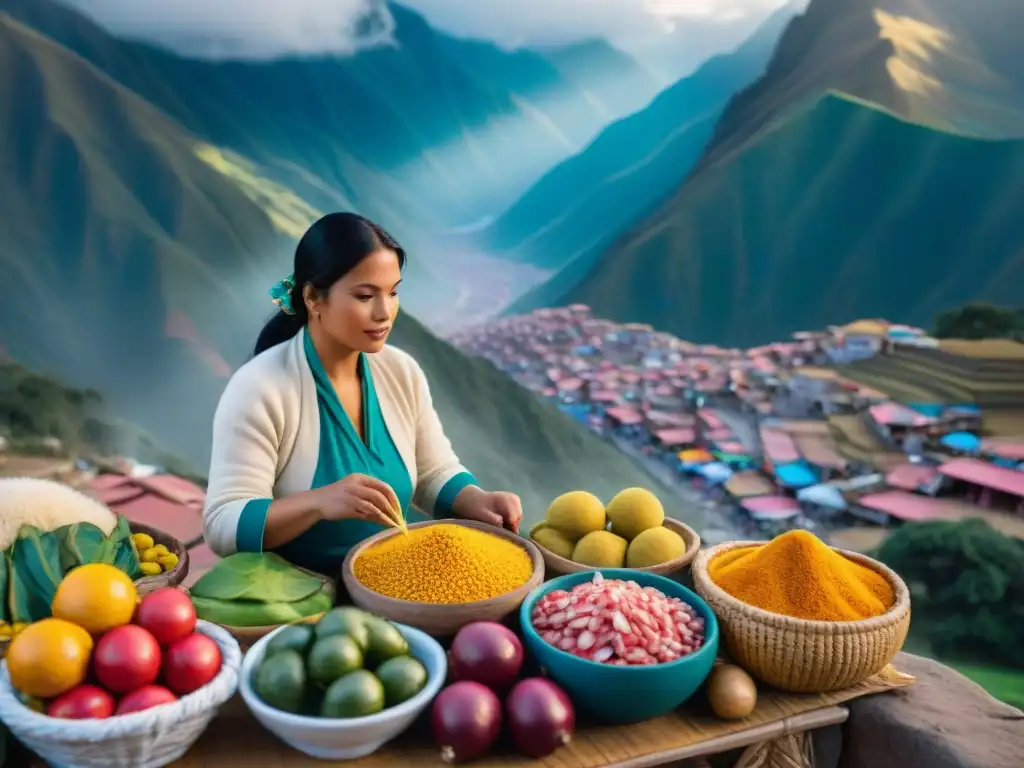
162	549
142	541
149	568
168	561
149	555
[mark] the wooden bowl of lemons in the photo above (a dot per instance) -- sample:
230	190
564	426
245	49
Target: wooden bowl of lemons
580	533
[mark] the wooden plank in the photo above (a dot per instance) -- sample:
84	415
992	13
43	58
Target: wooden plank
690	731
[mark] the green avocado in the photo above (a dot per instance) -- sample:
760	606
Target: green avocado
332	657
298	637
345	621
357	694
385	642
280	681
402	677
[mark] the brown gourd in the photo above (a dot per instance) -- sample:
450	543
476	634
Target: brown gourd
732	693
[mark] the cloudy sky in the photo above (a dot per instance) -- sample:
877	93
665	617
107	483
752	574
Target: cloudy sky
267	28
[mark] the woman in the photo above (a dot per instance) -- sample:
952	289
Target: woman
327	429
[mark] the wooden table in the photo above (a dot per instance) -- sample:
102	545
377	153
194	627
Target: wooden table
236	740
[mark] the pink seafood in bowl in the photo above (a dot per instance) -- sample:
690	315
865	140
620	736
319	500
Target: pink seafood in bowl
611	621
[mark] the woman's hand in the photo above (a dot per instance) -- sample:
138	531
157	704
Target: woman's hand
359	497
497	508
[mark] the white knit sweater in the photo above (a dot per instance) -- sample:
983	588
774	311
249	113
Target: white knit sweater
266	434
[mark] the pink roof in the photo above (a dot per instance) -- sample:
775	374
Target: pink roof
549	391
1007	449
779	446
906	506
604	396
733	447
771	504
625	415
899	415
984	474
910	477
721	433
570	385
710	418
678	436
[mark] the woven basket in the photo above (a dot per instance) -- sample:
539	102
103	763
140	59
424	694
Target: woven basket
805	656
171	578
148	739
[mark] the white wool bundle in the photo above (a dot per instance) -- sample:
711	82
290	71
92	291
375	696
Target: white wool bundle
47	505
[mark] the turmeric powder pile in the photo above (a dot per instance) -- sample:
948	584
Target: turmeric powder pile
443	564
796	574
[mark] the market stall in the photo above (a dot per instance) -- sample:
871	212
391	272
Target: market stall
457	648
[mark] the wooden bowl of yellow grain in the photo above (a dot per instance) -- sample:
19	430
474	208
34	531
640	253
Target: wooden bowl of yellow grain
441	619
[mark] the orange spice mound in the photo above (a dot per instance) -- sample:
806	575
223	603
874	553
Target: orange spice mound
796	574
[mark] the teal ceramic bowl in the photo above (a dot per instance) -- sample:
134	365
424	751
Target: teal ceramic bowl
615	694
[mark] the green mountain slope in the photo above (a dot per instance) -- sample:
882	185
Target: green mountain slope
872	171
585	202
841	211
411	134
117	242
135	262
944	63
512	440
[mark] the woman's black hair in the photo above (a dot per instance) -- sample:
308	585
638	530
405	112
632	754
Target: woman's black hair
329	250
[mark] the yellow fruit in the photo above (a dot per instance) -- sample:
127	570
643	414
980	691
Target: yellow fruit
575	514
142	541
168	561
151	569
553	541
600	549
149	555
6	632
17	627
49	658
654	547
634	510
96	597
161	550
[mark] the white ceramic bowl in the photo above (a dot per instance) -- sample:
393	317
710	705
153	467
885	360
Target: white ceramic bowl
346	738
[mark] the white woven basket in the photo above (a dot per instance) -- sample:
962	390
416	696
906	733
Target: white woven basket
149	739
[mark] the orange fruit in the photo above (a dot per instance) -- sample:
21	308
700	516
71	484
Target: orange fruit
96	597
48	658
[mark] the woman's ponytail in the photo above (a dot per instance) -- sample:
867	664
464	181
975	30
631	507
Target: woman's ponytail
278	329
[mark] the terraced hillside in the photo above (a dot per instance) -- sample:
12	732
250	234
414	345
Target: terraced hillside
986	373
855	441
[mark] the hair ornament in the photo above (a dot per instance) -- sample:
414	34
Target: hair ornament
281	294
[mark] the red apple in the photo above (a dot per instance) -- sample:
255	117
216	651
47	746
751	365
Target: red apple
191	663
84	702
126	658
146	697
168	614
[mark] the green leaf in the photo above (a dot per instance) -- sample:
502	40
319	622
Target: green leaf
5	614
37	564
22	607
127	559
261	577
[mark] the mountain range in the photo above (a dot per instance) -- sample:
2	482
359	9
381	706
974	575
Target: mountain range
873	170
432	130
583	203
136	251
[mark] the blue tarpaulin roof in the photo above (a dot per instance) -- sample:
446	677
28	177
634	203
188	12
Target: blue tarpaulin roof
716	472
929	409
795	475
961	441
